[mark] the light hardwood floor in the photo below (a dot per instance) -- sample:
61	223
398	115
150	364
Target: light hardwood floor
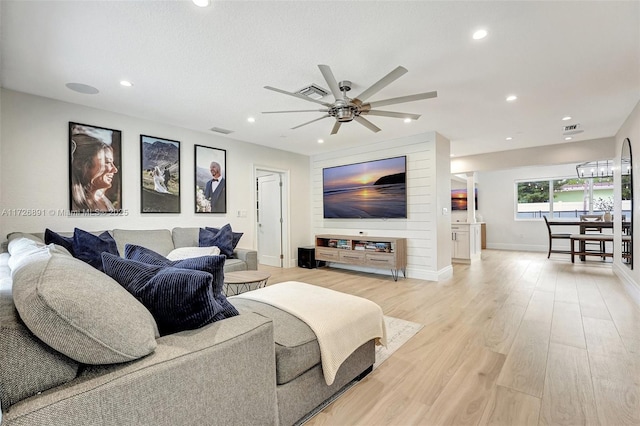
516	339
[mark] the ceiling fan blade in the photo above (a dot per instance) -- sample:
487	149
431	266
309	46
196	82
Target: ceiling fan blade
336	127
366	123
331	81
382	83
296	95
402	99
391	114
309	122
299	110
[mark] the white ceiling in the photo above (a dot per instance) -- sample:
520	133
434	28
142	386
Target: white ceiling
199	68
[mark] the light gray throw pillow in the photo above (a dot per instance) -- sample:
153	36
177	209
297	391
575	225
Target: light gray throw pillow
81	312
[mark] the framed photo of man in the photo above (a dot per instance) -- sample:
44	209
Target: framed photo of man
160	179
211	179
95	185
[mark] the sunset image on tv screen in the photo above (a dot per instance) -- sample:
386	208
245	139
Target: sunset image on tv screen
373	189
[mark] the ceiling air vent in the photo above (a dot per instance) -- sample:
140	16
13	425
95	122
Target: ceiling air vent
221	130
313	91
572	129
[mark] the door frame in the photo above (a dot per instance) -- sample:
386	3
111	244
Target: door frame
286	227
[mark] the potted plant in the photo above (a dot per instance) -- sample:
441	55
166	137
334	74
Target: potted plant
605	205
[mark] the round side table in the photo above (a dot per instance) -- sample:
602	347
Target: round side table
241	281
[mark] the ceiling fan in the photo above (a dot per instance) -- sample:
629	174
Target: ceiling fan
346	109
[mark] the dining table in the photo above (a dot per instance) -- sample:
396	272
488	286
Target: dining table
591	225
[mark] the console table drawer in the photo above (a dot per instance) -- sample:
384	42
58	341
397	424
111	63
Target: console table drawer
351	256
381	260
327	254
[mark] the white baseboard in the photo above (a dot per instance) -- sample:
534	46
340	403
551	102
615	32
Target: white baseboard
630	286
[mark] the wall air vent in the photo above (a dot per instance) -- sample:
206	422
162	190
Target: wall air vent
221	130
572	129
313	91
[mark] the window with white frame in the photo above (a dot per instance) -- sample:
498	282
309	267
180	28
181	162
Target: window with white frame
563	197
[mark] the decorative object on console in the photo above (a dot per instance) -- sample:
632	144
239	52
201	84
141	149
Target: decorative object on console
160	175
94	159
210	177
368	190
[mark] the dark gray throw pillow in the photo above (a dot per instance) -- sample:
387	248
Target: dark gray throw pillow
51	237
211	264
179	299
236	235
89	248
223	239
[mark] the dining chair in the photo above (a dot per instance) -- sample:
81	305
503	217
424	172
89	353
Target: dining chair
556	236
594	230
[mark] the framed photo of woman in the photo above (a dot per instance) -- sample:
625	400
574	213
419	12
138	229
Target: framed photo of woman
95	185
210	179
160	175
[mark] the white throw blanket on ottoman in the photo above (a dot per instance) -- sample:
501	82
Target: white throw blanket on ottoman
341	322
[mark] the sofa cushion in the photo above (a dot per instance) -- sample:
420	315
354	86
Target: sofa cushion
158	240
297	348
89	247
179	299
27	365
212	264
222	239
181	253
81	312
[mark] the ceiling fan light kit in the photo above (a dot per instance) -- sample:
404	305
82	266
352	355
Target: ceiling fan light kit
345	109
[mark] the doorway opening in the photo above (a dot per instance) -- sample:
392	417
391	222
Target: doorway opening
272	223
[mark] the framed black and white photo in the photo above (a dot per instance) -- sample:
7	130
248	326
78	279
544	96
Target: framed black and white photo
95	185
210	179
160	178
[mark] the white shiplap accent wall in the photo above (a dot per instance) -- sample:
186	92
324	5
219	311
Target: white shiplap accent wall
420	228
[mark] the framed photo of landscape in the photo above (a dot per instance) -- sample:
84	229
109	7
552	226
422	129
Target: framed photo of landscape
210	180
95	183
160	175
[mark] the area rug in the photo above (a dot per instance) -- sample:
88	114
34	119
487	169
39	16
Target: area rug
399	332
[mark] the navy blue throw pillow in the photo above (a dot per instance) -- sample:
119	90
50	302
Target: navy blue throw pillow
214	265
89	248
222	239
236	235
51	237
179	299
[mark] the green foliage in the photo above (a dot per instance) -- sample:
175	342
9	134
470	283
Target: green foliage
533	192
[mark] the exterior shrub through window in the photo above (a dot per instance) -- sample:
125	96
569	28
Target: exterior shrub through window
567	198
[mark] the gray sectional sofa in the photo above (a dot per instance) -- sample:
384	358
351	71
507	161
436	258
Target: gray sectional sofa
261	367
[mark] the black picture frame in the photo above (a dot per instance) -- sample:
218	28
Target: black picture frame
159	175
95	160
207	201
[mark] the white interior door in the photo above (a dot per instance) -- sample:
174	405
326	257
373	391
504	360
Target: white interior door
270	220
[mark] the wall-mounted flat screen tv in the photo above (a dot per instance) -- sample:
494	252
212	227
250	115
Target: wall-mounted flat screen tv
459	199
368	190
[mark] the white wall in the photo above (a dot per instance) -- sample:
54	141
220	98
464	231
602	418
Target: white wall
34	172
428	190
496	201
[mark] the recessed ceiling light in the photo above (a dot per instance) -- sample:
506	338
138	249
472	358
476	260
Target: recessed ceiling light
566	118
480	34
407	120
511	98
452	155
201	3
82	88
509	138
251	120
126	83
320	140
568	138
